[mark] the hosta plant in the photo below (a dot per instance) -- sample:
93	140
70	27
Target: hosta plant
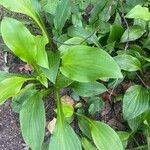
75	50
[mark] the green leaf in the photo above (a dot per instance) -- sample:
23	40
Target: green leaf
88	89
115	34
63	12
71	42
128	62
32	121
98	8
66	137
24	7
51	6
22	97
9	87
96	105
42	79
86	64
132	34
139	12
4	75
105	138
27	47
84	127
87	34
54	61
135	101
18	38
87	145
41	56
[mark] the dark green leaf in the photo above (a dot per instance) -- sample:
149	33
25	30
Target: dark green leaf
88	89
86	64
32	121
21	97
87	145
62	14
135	102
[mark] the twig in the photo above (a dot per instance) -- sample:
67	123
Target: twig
142	80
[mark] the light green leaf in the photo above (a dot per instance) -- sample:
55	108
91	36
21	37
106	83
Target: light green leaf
24	7
139	12
68	110
133	33
135	102
4	75
66	137
41	56
51	6
54	61
88	89
18	38
87	145
27	47
128	62
43	80
86	64
71	42
63	12
105	138
32	121
9	87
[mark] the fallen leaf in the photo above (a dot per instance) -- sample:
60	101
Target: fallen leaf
51	125
26	67
67	100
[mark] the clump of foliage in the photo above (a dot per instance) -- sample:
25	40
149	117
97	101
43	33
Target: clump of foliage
85	42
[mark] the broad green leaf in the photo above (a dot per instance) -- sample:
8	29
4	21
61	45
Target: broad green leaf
68	110
9	87
98	8
86	64
115	33
51	6
87	145
24	7
41	56
62	81
105	138
27	47
135	101
4	75
22	97
32	121
64	138
88	89
87	34
132	34
18	38
139	12
71	42
84	127
96	105
63	12
124	136
54	61
128	62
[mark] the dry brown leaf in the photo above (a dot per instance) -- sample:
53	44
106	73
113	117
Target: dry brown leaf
26	67
51	125
67	100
